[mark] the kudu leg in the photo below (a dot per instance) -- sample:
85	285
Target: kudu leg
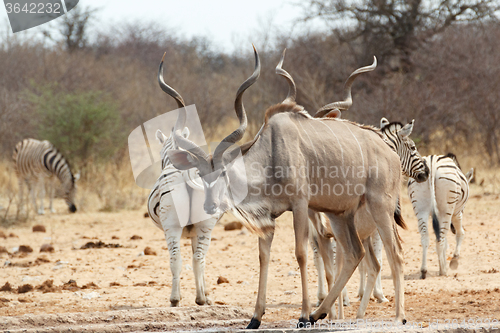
372	267
352	249
264	257
301	229
394	251
320	268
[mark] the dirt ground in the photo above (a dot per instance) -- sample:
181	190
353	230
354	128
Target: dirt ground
116	284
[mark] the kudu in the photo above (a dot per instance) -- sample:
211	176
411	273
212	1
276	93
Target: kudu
413	165
346	171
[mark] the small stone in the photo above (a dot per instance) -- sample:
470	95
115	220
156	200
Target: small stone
2	235
38	228
149	251
25	288
25	249
47	248
6	287
222	279
146	214
135	237
3	249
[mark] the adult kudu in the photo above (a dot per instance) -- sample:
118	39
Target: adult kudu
294	154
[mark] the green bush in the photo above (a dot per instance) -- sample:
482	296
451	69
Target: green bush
84	126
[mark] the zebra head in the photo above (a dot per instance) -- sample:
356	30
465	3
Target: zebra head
70	191
168	144
398	137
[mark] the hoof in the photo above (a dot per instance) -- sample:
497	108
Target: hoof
382	299
423	274
454	263
404	321
312	320
174	304
254	324
303	323
346	302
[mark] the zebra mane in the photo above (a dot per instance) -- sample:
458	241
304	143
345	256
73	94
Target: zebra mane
454	158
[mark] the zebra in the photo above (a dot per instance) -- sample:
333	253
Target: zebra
35	161
443	196
191	222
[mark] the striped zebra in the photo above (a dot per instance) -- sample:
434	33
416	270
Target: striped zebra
36	161
442	196
184	187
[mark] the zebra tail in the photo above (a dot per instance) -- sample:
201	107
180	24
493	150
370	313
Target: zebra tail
435	221
435	225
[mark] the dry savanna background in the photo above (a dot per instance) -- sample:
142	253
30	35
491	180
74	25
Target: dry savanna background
106	267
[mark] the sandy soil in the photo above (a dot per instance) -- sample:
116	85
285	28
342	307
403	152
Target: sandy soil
118	286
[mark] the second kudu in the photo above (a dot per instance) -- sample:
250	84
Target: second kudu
295	163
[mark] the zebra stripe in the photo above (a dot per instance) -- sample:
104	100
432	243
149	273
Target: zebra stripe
35	160
412	163
443	196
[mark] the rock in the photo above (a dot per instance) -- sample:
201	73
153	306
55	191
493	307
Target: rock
2	235
25	249
3	249
235	225
222	279
146	214
38	228
47	248
149	251
25	288
135	237
6	287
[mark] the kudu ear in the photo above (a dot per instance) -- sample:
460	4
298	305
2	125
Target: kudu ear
161	137
182	159
406	130
335	113
185	132
470	175
384	122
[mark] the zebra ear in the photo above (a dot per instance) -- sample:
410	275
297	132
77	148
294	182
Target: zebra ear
185	132
470	175
161	137
182	159
406	130
76	176
383	122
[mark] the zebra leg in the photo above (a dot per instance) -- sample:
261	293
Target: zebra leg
442	243
457	222
320	268
423	218
20	206
173	237
372	269
200	244
378	293
32	190
362	279
51	196
41	195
